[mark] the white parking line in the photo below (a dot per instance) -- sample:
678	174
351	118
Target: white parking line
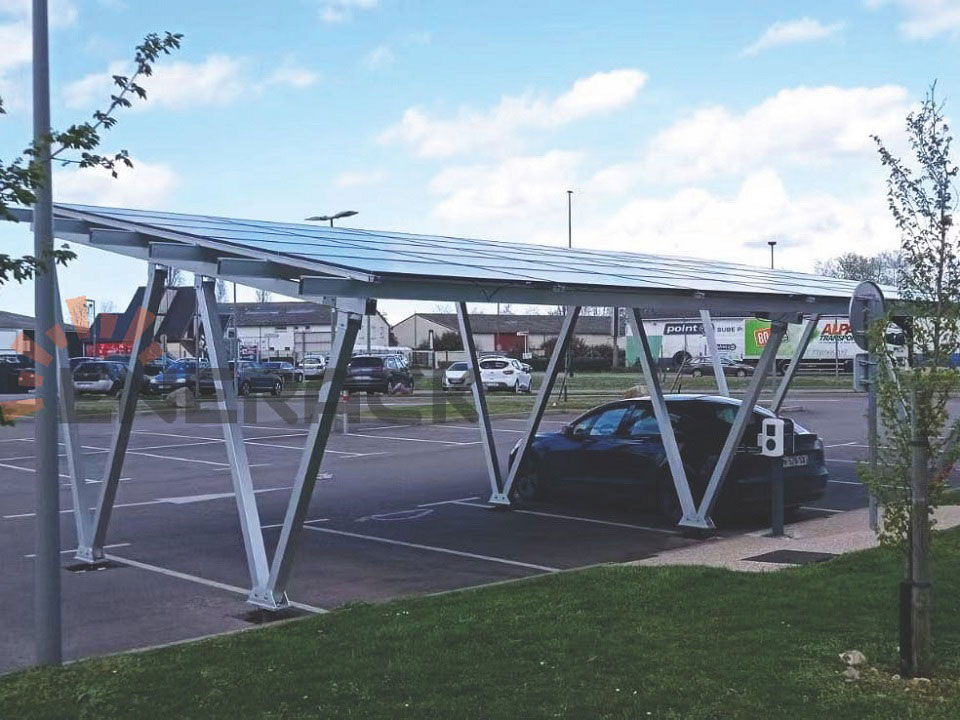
847	482
67	552
846	444
579	519
447	502
847	462
476	428
407	439
196	579
277	525
30	470
431	548
819	509
176	435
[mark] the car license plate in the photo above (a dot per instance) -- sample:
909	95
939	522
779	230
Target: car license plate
795	460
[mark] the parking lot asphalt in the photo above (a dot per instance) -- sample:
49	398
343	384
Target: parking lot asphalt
400	510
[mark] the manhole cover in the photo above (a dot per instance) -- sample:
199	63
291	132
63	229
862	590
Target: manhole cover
792	557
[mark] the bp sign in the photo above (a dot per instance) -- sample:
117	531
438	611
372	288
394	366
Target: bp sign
866	306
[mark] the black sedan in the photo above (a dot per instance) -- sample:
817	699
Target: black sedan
619	444
704	366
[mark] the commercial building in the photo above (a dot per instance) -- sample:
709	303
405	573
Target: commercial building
504	332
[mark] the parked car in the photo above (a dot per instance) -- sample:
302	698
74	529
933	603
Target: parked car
502	373
99	376
75	362
378	373
312	366
179	373
618	444
456	377
704	366
285	370
253	377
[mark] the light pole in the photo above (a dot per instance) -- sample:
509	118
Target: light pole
569	219
47	613
772	244
331	218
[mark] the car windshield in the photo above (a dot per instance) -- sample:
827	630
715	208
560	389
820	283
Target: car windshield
458	366
366	362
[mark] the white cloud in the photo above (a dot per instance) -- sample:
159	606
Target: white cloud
600	93
218	80
338	11
799	126
62	13
290	75
379	57
790	32
147	185
695	222
925	19
360	178
514	188
16	46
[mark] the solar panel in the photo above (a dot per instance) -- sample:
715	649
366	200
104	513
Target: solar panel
411	257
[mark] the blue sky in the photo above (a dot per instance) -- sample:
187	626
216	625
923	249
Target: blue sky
692	128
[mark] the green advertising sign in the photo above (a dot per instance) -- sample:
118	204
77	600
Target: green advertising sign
756	332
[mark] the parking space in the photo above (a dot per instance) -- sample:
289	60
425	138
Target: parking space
400	509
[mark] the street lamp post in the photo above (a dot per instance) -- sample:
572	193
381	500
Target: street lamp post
331	218
772	244
333	312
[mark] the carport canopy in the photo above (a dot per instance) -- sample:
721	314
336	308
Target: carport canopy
346	268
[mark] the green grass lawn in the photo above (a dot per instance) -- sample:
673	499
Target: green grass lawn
609	642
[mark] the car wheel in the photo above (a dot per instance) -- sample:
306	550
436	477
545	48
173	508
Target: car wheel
115	389
245	387
741	373
697	373
516	387
528	485
277	388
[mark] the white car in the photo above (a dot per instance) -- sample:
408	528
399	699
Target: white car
456	377
501	373
312	366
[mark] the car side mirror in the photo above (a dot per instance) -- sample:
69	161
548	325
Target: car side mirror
567	430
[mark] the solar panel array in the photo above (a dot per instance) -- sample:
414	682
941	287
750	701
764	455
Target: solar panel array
411	256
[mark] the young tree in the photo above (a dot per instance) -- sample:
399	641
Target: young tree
922	443
77	145
221	288
263	296
883	268
21	178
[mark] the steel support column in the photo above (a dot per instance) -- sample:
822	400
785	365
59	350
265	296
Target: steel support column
744	415
662	413
83	500
247	510
540	405
711	336
480	400
347	327
142	329
805	336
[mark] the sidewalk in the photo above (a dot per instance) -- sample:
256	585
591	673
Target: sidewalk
841	533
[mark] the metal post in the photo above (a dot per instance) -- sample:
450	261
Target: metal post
806	335
47	611
79	489
873	512
743	418
662	413
916	663
480	400
247	510
540	405
711	336
348	325
143	330
776	496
